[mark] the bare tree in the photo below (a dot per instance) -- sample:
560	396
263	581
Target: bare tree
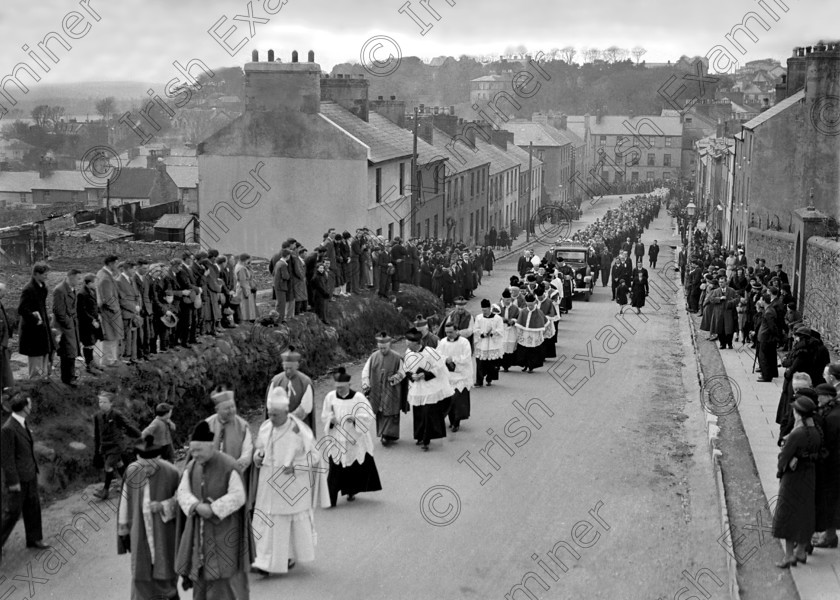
611	54
106	107
638	52
568	54
521	50
590	55
553	53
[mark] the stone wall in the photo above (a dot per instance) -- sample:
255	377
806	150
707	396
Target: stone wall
73	247
822	289
773	246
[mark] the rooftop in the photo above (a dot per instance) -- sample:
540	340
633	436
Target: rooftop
540	134
26	181
174	221
624	124
775	110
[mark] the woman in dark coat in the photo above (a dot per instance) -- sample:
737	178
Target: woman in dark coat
426	275
706	307
739	281
799	360
794	515
637	292
489	256
827	488
320	292
36	338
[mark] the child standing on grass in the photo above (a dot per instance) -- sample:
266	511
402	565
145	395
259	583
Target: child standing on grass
161	429
109	431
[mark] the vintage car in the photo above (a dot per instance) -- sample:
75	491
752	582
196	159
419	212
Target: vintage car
576	256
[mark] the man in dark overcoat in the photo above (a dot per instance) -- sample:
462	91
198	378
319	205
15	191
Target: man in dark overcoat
36	338
67	323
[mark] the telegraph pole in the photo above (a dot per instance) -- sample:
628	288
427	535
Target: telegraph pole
414	178
530	187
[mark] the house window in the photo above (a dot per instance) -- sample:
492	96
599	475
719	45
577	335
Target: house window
634	176
668	140
390	229
437	180
379	231
472	184
666	160
23	197
619	177
46	195
482	217
379	187
462	187
603	140
651	141
471	223
651	175
651	160
402	178
688	119
427	229
436	226
483	181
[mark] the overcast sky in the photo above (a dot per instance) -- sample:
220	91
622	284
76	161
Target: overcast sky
138	41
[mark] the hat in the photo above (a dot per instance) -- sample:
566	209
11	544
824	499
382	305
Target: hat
506	293
459	301
485	303
514	280
413	335
277	398
560	259
804	405
826	389
202	432
808	393
779	266
420	320
221	396
341	375
755	285
496	309
540	290
741	250
169	320
530	298
804	330
531	278
382	338
290	355
146	447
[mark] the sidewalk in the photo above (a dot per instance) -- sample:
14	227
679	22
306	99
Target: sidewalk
819	578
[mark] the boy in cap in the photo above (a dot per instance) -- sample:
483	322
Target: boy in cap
109	430
161	429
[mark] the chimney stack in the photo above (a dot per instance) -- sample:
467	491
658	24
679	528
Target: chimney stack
781	89
563	121
255	56
271	55
274	85
310	57
294	56
349	92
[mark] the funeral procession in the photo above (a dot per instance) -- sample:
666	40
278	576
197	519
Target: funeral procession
429	301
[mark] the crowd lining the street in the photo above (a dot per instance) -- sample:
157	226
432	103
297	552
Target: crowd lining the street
754	305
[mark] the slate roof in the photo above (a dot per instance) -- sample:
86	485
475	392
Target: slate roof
775	110
26	181
385	140
174	221
133	183
184	177
540	134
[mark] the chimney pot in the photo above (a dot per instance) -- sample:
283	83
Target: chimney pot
255	56
271	55
311	56
294	56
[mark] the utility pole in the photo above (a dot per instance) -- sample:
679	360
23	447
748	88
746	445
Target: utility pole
530	187
414	178
108	201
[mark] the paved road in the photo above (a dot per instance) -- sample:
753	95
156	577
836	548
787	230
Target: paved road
615	478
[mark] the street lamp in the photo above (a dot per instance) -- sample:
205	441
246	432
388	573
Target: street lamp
691	208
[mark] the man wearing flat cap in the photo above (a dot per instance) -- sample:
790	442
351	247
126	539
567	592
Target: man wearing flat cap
298	387
231	434
386	387
215	547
